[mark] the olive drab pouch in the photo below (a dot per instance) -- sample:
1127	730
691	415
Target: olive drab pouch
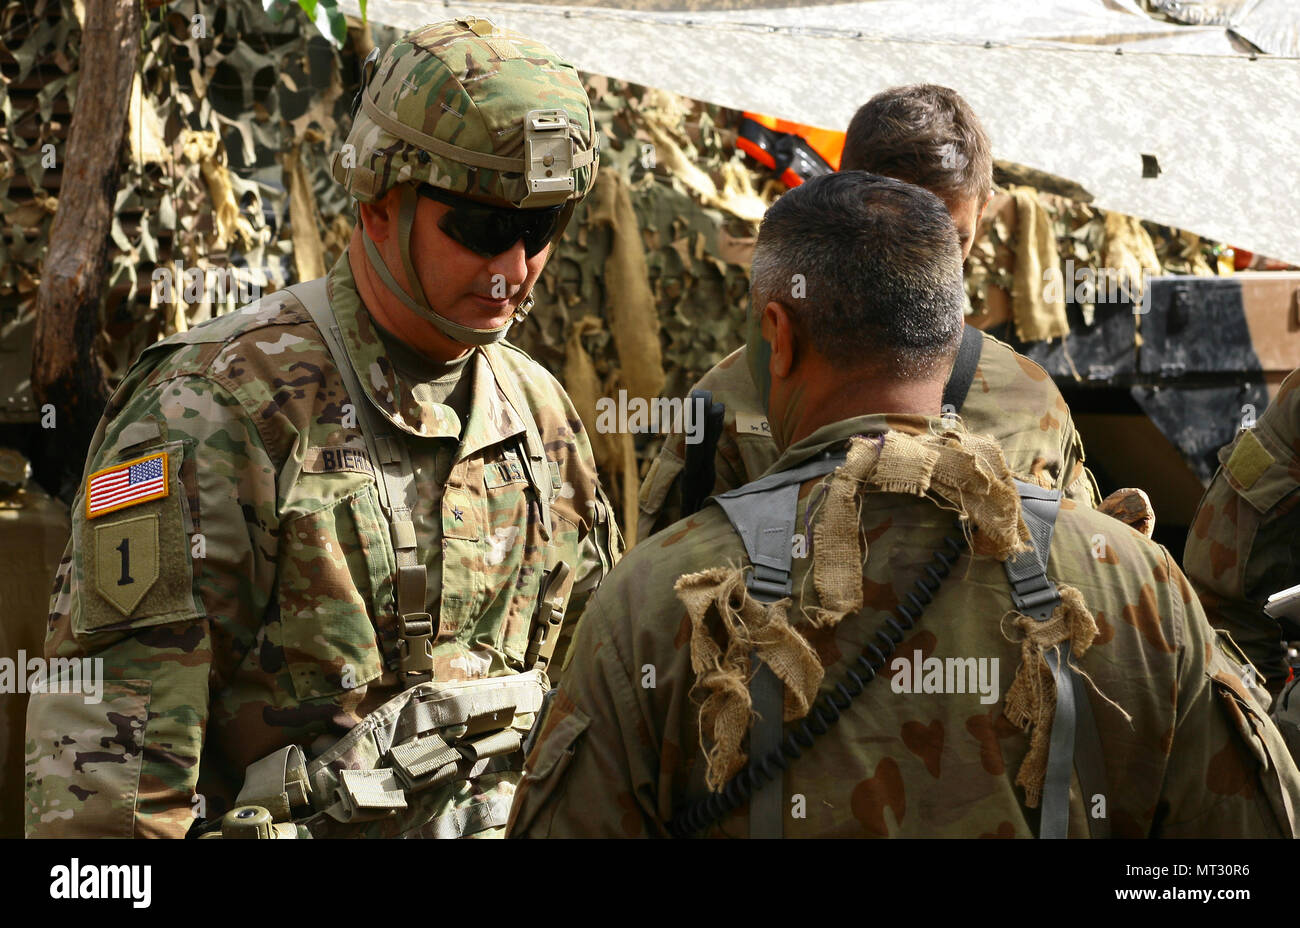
438	760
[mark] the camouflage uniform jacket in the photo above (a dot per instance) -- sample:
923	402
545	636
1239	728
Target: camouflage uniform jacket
619	752
264	613
1011	398
1243	545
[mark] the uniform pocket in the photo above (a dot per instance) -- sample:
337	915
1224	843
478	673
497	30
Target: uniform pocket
335	583
562	725
1275	772
84	760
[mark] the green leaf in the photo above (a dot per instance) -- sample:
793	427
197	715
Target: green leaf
277	9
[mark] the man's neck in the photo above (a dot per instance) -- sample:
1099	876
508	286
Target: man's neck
817	402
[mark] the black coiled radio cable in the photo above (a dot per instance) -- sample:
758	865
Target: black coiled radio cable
825	712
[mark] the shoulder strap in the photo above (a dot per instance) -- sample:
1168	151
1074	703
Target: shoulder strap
963	369
698	471
395	481
1036	596
763	515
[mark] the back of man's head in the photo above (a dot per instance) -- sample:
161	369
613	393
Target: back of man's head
926	135
871	271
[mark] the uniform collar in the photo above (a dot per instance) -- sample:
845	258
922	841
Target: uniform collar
838	432
491	418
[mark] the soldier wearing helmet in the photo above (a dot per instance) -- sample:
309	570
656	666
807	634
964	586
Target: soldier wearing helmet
325	544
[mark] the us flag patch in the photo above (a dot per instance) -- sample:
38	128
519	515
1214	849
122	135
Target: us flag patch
126	484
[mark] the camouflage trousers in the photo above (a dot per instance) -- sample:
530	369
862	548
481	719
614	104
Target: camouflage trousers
439	760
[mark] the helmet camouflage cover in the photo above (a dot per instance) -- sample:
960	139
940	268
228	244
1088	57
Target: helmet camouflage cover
471	108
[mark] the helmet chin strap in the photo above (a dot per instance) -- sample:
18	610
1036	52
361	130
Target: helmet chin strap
463	334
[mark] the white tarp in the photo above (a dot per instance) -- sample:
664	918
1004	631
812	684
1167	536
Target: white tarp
1044	76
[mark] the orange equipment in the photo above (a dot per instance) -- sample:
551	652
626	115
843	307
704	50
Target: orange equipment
794	151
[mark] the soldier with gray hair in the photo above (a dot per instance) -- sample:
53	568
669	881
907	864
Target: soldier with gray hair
325	544
887	634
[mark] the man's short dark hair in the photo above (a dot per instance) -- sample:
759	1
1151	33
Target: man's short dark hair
926	135
870	268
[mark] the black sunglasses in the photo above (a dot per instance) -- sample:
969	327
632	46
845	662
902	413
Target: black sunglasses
489	230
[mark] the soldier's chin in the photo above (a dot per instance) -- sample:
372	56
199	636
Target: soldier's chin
490	313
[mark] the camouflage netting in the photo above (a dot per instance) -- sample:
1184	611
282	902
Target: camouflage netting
226	173
228	112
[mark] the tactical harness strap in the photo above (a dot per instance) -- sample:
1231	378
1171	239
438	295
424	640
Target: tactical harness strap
397	494
963	368
763	515
698	469
544	476
1037	597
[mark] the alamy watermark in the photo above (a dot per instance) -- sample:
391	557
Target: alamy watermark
949	675
637	416
76	880
84	675
194	285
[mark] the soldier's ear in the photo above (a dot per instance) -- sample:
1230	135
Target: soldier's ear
779	330
380	217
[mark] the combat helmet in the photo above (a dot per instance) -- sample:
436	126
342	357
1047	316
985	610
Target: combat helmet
469	108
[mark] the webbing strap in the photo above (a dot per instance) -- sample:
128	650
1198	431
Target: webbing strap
581	157
763	514
493	812
418	303
699	470
1031	592
963	368
1055	813
1036	596
550	618
395	481
1089	761
767	803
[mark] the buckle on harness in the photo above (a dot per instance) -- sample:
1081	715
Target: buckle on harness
415	649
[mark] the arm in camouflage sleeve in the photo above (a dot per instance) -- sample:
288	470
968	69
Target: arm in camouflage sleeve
592	772
1077	481
1229	772
203	564
601	549
1242	546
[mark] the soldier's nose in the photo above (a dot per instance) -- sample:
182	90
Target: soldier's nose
512	264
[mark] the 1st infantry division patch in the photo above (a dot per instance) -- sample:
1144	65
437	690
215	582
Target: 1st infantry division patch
128	484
